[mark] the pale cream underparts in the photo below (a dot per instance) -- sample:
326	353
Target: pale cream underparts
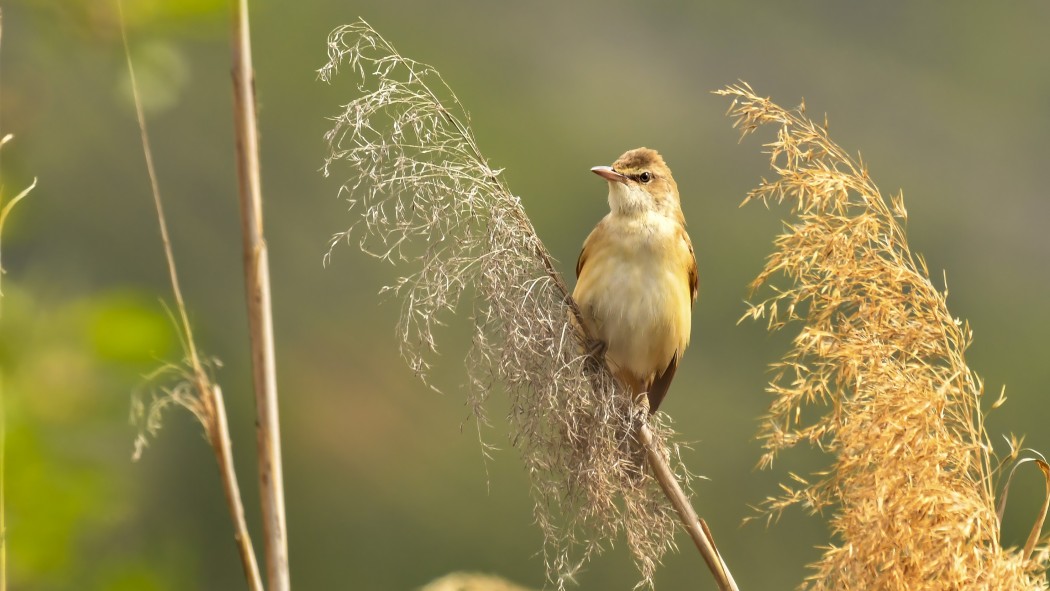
637	301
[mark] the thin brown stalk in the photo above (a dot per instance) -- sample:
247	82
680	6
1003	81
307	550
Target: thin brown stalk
1037	527
257	285
220	442
694	526
209	406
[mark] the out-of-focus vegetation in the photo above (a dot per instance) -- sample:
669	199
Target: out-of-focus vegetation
72	517
386	484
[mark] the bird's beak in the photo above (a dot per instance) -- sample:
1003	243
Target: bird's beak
609	174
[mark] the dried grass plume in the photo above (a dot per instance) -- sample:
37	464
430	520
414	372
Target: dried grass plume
427	200
876	378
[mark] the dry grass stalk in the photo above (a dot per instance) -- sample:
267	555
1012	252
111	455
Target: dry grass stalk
876	378
188	384
429	200
260	315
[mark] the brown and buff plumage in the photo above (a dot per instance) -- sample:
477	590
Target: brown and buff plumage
637	277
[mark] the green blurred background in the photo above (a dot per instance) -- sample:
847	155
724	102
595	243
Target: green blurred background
386	484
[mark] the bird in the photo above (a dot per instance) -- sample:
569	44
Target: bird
637	278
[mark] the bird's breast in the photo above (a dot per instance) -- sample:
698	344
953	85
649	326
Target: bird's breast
634	291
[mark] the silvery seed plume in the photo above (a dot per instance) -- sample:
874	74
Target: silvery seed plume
428	201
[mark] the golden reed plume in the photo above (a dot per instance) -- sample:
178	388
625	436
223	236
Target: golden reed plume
876	378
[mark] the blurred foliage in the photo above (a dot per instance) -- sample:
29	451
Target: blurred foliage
69	492
386	483
98	18
162	74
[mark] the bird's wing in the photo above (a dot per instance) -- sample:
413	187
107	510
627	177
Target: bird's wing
694	275
659	387
582	259
588	247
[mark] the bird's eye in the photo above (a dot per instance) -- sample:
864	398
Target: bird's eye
645	177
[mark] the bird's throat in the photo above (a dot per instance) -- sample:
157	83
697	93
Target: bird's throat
628	200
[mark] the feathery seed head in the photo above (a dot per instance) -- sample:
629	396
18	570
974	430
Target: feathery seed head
911	485
429	201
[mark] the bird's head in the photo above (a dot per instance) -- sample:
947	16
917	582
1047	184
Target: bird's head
640	182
